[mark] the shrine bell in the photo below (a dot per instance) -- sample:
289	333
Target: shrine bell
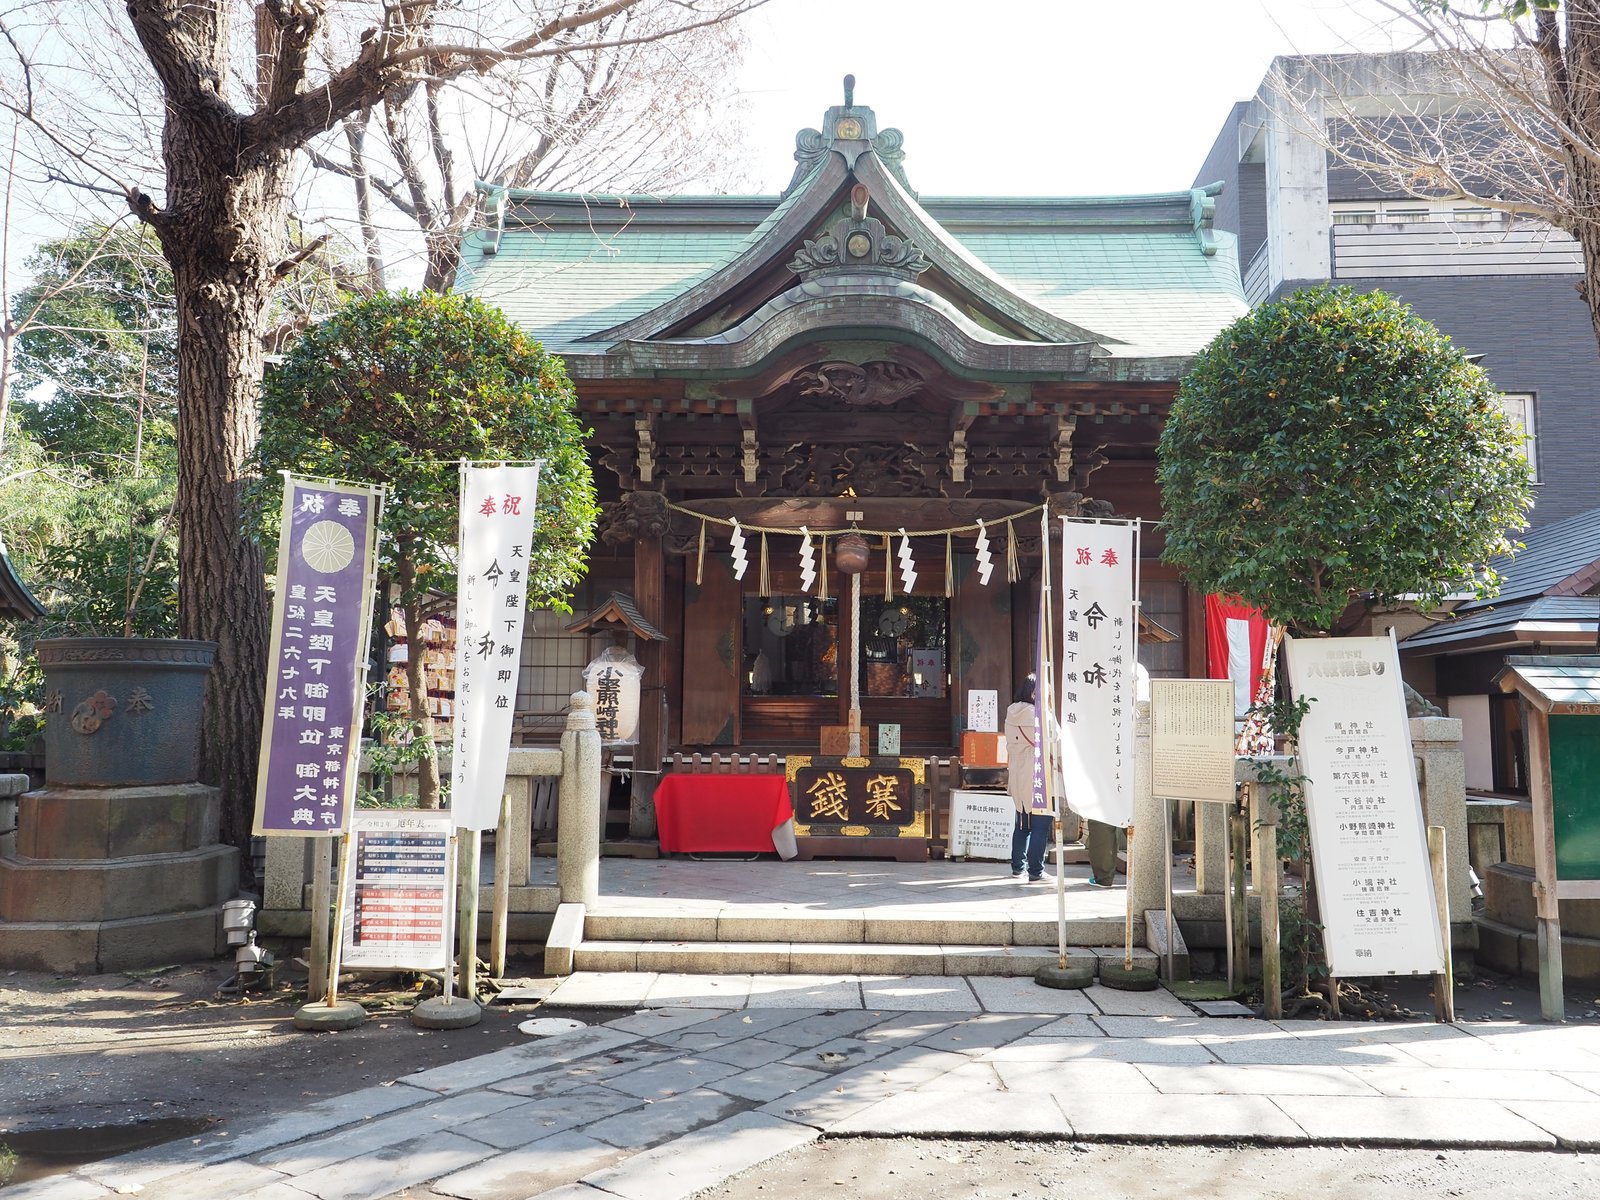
851	553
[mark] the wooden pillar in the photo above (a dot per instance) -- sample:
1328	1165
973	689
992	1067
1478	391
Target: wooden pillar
649	596
1547	908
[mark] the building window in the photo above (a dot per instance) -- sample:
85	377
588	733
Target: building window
1519	407
1410	212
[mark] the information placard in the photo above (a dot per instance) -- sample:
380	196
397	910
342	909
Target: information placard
397	909
983	710
981	824
1368	843
1191	739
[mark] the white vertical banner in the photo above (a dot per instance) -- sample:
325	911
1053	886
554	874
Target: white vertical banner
497	506
1098	667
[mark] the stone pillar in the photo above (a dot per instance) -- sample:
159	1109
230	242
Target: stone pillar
1147	873
578	825
1210	847
1442	780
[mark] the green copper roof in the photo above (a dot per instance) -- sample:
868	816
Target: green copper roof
1151	288
1139	277
563	285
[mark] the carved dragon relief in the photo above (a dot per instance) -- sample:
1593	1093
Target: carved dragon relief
870	384
870	469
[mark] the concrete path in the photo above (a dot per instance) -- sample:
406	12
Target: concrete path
710	1076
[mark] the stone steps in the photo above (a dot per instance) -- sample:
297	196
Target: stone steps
829	958
784	940
883	926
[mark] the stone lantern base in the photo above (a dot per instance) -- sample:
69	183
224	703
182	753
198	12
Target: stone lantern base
108	879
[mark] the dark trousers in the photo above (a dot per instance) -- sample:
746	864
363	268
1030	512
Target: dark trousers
1029	837
1101	842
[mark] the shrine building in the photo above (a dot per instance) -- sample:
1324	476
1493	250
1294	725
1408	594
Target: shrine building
851	354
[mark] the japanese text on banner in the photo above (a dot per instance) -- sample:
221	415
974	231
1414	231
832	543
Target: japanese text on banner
321	622
497	509
1098	668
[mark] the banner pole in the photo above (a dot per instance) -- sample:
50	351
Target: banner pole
1046	684
321	902
502	892
452	863
1127	925
336	951
468	952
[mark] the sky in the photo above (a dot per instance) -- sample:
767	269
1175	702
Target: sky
1030	97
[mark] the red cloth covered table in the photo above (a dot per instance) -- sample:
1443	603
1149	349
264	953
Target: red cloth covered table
739	813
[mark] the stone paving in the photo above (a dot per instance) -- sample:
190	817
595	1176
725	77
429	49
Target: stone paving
696	1079
932	889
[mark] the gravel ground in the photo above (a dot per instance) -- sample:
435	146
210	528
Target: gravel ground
157	1054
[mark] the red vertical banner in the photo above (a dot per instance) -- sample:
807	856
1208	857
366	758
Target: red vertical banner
1236	644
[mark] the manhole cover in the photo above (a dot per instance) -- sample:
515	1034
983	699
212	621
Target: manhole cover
549	1026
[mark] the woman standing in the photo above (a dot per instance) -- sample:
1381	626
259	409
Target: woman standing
1031	833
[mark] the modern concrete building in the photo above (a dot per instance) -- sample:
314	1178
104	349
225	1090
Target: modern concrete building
1503	289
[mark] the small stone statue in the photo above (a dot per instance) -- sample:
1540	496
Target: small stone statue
1418	705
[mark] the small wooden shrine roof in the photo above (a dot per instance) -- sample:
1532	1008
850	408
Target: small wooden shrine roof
16	601
617	613
1149	631
1554	683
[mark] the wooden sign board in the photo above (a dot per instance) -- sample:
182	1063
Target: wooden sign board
857	797
1191	739
1574	768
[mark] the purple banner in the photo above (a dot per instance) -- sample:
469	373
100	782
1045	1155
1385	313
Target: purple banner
316	667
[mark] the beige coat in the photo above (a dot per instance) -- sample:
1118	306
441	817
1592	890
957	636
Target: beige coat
1019	755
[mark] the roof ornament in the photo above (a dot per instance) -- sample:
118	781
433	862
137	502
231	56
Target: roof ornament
1203	214
852	130
858	243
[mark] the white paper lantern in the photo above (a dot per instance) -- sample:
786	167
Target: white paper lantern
613	680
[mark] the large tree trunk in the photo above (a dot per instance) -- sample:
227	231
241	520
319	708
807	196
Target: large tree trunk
222	233
1571	76
429	788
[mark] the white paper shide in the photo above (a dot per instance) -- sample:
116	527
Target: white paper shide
497	507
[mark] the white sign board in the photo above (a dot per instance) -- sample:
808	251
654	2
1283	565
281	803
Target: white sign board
1097	668
983	711
1191	739
1368	843
397	912
981	825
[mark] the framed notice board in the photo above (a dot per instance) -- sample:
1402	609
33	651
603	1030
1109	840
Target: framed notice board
1575	786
